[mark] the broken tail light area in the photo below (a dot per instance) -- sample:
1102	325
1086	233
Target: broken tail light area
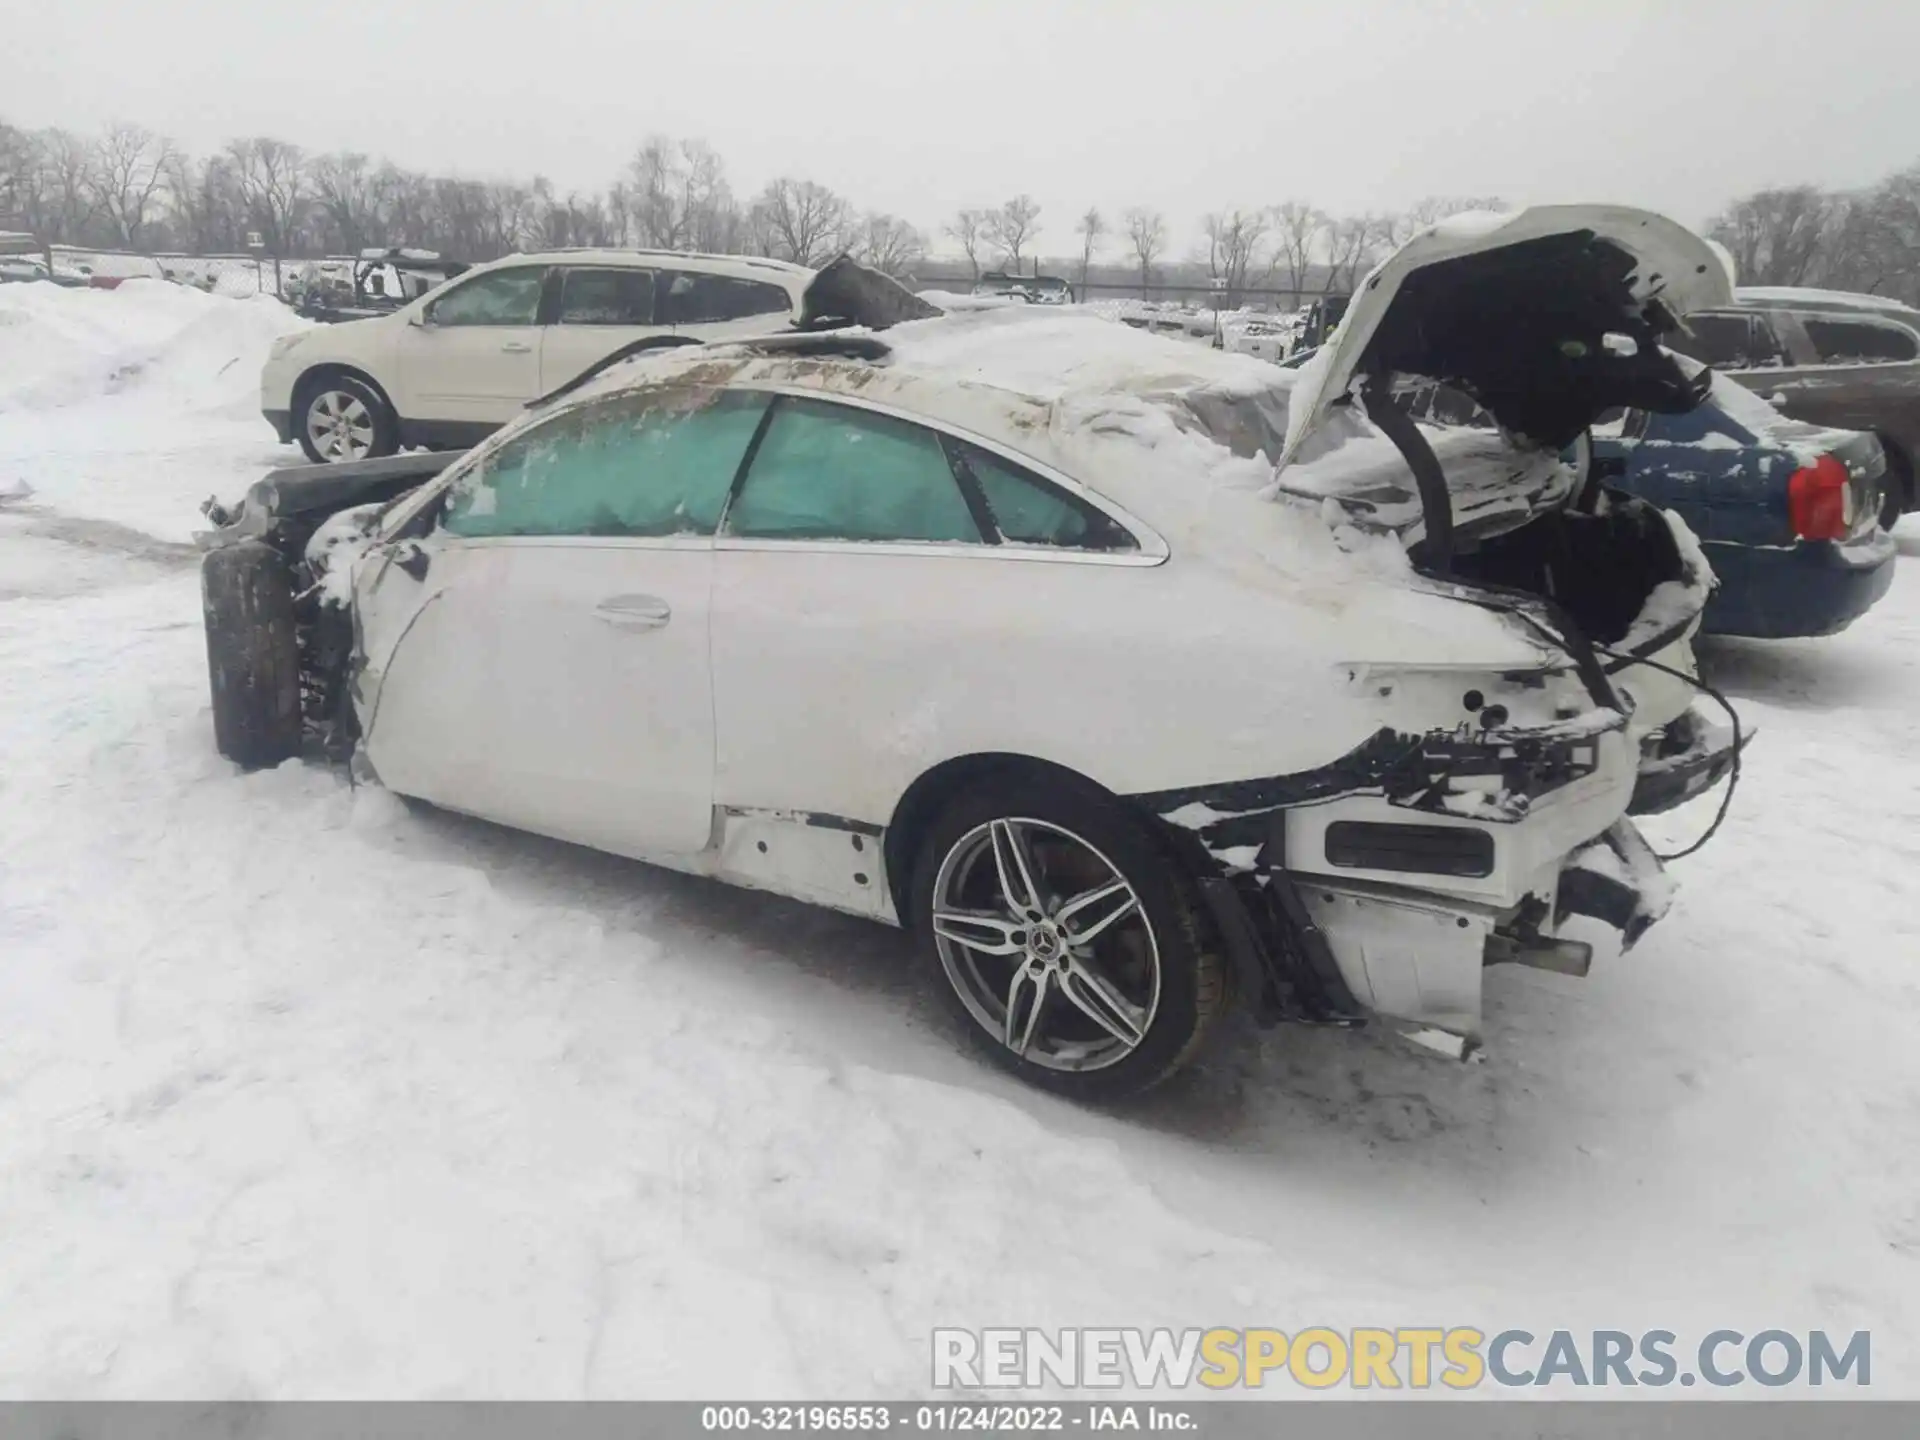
1494	775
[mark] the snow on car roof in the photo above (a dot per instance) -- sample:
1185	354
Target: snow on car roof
1181	437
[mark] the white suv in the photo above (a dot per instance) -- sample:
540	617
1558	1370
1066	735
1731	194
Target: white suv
458	363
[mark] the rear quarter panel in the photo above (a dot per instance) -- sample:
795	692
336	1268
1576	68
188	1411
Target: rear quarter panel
840	678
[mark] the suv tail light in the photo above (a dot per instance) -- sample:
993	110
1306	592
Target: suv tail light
1820	500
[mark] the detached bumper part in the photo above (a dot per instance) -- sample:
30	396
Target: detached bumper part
1417	959
1615	883
1687	759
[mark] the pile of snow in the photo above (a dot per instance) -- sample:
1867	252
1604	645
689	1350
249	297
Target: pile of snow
62	346
134	404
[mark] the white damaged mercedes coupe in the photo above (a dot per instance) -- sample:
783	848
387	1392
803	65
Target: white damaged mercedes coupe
1135	679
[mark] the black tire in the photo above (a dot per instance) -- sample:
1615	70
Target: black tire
1897	492
1192	980
253	659
385	424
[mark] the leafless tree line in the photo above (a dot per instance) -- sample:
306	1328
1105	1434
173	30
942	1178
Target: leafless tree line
132	189
1283	246
1862	240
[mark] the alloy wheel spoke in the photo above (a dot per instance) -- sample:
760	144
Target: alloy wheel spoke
981	930
1026	998
1096	910
1101	1003
1016	869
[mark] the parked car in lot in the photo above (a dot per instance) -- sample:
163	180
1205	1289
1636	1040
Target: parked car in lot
1034	289
1831	358
20	268
452	366
1266	338
1001	626
378	282
1788	514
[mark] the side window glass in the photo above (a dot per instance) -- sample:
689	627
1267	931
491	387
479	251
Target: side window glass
648	463
831	472
690	298
503	297
606	297
1858	342
1723	341
1029	511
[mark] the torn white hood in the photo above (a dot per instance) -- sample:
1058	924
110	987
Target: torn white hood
1671	265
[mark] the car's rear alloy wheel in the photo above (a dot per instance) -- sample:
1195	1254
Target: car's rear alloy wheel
1067	942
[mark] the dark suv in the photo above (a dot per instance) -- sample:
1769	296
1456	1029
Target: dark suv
1851	362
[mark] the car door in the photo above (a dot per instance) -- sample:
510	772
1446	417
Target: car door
599	309
540	654
872	616
721	307
470	358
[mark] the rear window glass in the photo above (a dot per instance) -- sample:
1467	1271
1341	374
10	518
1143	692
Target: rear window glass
1859	342
1028	511
689	298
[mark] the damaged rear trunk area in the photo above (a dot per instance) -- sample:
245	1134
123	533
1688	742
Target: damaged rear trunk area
1543	336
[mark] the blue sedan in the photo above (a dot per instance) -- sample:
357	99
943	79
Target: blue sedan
1787	513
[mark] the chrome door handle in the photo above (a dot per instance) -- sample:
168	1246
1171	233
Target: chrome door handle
633	612
515	347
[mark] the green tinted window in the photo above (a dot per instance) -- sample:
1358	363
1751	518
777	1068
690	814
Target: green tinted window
645	464
1028	511
831	472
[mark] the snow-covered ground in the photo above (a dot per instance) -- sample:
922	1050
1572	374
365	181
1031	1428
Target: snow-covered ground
307	1093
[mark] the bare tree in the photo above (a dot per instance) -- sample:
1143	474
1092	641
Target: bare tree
204	206
1091	227
678	198
969	227
1352	243
801	221
69	197
889	244
26	189
348	193
129	169
1777	237
1235	245
575	220
273	182
1012	227
1147	233
1298	227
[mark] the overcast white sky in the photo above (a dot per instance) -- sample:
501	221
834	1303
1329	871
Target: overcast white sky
922	106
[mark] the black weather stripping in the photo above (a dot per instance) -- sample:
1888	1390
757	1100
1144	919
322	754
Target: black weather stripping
1410	849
